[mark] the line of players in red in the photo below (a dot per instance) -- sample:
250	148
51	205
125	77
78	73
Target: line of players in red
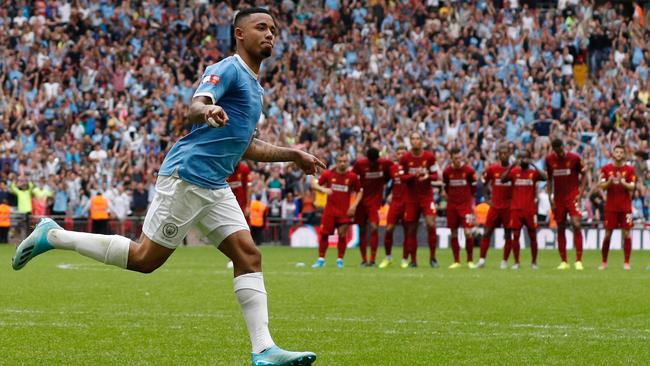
511	189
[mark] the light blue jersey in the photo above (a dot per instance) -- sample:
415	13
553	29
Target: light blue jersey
206	157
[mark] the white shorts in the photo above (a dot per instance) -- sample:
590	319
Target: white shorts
178	205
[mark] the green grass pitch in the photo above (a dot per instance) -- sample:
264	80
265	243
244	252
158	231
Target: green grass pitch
64	309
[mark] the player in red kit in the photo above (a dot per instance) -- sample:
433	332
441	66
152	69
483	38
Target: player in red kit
498	214
618	179
460	185
420	171
565	171
523	209
396	209
338	184
373	173
238	183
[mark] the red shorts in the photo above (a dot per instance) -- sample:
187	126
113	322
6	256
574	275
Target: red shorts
367	213
396	212
330	222
459	216
497	217
413	210
562	209
519	218
618	220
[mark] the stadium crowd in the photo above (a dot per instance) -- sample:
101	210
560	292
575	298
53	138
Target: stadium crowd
95	92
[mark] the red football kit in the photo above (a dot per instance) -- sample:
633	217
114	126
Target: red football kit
338	203
618	207
498	214
238	183
372	178
420	194
565	173
398	193
524	191
460	187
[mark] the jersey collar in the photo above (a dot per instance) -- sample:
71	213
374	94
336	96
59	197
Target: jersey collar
248	69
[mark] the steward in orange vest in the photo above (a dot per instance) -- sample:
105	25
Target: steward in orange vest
99	213
5	222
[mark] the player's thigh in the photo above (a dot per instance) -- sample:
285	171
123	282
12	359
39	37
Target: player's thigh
222	218
560	214
530	221
372	212
611	220
361	216
327	224
395	213
516	221
175	208
453	219
467	218
411	212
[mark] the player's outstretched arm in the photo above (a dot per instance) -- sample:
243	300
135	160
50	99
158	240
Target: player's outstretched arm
259	150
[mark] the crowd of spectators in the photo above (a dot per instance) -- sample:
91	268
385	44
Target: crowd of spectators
94	92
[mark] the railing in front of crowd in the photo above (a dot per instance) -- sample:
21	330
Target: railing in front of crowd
276	230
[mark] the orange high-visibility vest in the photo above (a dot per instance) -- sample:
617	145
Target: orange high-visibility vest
5	215
99	208
481	213
257	213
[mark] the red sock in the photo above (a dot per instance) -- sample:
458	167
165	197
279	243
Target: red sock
363	245
342	245
413	247
388	242
561	243
455	248
577	240
469	248
532	234
506	249
516	247
322	245
485	245
433	241
627	249
374	244
406	247
605	249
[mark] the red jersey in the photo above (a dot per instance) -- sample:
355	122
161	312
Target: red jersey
501	192
565	173
619	199
419	190
238	183
372	179
459	184
524	189
399	185
342	186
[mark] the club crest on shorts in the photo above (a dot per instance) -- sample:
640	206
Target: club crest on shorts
170	230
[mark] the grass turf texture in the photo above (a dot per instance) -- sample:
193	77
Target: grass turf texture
64	309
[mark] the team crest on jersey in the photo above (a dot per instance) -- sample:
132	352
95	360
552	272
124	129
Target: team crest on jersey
211	79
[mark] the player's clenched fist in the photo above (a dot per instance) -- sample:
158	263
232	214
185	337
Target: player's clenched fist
215	116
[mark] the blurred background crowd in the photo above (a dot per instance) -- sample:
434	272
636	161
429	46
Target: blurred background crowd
94	92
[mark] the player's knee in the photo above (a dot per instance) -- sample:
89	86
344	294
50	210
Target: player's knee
142	265
250	259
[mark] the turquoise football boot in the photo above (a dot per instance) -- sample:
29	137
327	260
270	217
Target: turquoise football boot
276	356
36	243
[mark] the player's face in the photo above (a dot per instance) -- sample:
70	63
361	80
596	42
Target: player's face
259	32
525	160
400	153
559	151
619	154
416	141
341	163
504	155
456	160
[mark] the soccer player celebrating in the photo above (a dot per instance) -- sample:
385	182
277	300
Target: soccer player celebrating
373	173
460	185
396	210
419	166
565	170
498	214
338	184
524	176
191	190
618	179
